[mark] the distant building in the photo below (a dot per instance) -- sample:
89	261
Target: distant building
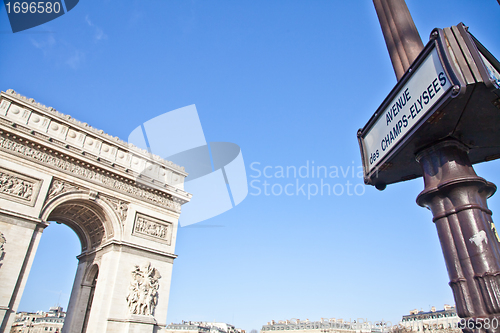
434	320
202	327
39	322
325	325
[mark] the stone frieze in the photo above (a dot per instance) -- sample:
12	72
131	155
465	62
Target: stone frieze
150	227
75	168
18	187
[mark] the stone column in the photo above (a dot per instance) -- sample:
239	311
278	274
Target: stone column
121	268
73	323
21	237
469	240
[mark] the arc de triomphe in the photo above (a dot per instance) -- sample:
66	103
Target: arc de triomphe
121	201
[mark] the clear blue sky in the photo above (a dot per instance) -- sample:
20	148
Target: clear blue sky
290	82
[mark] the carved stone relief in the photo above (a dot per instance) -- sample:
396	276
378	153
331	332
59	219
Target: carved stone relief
2	249
119	206
143	290
79	169
18	187
149	227
60	186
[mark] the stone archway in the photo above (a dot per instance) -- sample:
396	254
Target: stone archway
91	218
94	222
122	202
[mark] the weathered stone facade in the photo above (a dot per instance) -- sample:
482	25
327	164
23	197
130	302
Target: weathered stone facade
121	201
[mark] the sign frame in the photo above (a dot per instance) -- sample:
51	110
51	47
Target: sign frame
458	87
478	50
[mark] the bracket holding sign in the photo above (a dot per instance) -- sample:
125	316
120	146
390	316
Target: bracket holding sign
452	90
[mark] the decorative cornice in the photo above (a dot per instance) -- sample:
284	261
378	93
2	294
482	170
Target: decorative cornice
121	246
63	131
87	127
12	217
89	173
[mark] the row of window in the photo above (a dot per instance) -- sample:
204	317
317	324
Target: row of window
41	329
188	328
440	315
304	327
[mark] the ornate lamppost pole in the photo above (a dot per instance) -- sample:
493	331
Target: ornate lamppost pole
451	134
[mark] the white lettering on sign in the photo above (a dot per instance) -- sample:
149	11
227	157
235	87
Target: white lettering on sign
422	91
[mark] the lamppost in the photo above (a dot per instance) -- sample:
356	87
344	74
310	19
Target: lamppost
441	117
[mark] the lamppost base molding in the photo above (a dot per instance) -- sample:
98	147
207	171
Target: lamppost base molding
457	197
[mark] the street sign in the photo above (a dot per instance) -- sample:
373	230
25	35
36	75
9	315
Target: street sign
422	91
431	103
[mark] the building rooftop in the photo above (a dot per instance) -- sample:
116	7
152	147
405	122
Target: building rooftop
448	309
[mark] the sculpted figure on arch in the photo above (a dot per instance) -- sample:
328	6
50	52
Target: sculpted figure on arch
143	290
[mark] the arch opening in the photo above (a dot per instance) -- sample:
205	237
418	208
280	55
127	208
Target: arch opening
51	277
92	225
86	218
